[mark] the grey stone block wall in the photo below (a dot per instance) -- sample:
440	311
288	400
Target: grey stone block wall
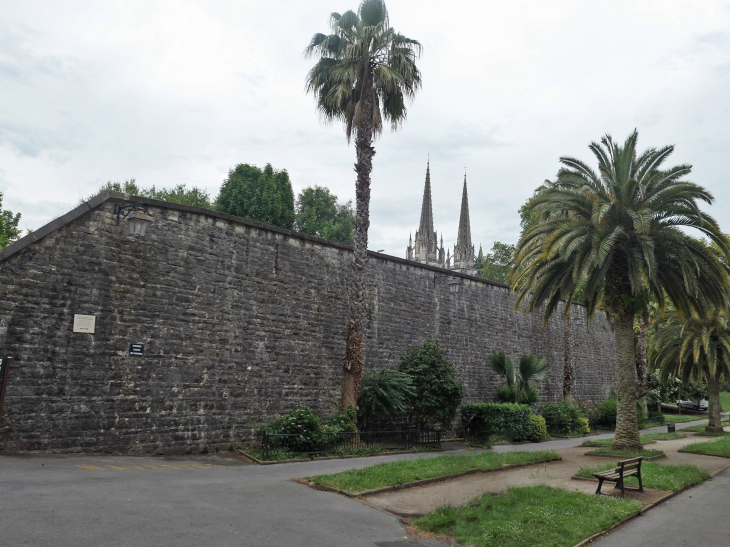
240	322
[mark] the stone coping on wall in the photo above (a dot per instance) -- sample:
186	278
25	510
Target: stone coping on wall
111	195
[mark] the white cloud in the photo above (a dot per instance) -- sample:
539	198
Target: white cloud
171	92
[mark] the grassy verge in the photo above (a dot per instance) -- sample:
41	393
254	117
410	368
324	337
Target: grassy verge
682	418
645	438
704	433
701	427
405	471
720	447
725	400
283	456
539	516
671	478
647	453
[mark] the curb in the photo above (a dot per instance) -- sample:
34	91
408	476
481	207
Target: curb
319	458
421	482
618	457
703	453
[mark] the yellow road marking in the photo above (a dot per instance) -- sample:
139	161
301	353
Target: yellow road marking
160	467
153	467
91	467
136	467
169	466
115	467
200	466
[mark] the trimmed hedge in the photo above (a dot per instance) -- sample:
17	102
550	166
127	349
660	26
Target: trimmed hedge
484	419
539	430
563	417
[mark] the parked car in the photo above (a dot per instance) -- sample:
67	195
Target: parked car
702	404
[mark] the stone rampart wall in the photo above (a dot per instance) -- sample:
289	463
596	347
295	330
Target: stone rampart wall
239	322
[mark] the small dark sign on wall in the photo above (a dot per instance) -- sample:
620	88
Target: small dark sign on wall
136	349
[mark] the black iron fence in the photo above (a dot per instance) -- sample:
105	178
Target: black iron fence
276	445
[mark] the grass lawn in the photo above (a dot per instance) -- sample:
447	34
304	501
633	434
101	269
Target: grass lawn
645	438
701	427
647	453
725	400
671	478
720	447
401	472
682	418
538	516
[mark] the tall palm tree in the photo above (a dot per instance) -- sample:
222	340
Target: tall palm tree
364	73
696	348
622	239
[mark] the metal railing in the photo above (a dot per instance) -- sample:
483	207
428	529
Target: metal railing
278	444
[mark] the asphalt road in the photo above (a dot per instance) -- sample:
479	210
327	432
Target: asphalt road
116	501
698	516
124	501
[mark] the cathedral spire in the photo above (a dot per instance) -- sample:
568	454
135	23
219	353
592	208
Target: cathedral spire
464	239
425	228
464	250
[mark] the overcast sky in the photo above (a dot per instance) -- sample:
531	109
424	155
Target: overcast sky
180	92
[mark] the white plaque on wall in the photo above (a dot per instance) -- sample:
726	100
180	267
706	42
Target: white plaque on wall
84	323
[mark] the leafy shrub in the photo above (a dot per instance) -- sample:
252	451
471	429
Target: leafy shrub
517	388
584	427
538	429
300	421
383	394
509	394
605	414
438	392
562	417
341	423
484	419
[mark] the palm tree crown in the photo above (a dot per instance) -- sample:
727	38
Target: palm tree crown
695	348
620	231
363	51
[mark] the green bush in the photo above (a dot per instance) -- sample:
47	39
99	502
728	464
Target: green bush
605	415
438	392
538	429
484	419
341	423
300	421
509	394
563	417
383	394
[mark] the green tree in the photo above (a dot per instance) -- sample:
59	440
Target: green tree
263	195
9	230
364	73
383	394
496	265
621	232
319	214
179	193
695	348
195	197
438	393
517	388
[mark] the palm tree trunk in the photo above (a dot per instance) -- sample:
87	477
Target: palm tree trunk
568	367
641	368
354	355
627	425
713	397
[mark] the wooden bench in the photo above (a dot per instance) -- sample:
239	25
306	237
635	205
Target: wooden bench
626	468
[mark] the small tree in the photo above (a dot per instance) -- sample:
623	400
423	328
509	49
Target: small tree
263	195
319	214
438	393
9	230
497	264
517	388
383	394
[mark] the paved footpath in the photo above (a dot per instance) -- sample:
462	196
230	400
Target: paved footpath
697	517
124	501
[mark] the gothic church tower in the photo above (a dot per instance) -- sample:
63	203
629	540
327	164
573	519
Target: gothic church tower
464	250
426	249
